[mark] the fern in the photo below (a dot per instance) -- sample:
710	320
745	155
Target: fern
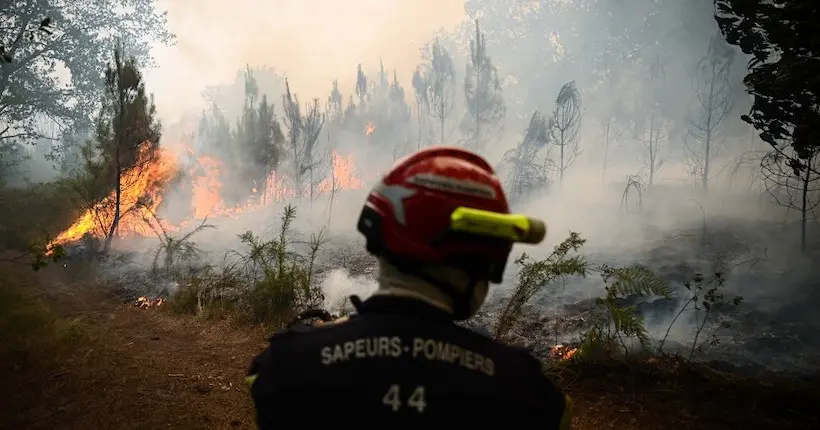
534	275
632	281
613	324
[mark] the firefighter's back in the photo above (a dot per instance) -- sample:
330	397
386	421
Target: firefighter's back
401	362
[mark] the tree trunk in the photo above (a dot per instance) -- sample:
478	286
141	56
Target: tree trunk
804	207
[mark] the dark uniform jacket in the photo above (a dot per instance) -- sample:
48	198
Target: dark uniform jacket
399	362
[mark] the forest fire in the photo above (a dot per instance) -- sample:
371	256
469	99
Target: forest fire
562	352
140	197
144	302
143	187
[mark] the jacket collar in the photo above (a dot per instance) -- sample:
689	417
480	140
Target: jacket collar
403	305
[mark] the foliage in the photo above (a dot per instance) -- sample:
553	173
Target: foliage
706	294
784	73
81	34
33	214
535	275
174	250
124	147
613	325
270	280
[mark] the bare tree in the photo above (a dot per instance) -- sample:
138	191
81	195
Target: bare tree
303	133
442	85
564	127
714	103
334	184
612	129
529	162
795	186
654	133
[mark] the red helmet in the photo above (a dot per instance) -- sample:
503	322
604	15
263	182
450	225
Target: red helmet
407	216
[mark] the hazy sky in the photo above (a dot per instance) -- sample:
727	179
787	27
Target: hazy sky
311	41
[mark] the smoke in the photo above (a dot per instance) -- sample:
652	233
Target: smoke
311	42
635	65
339	286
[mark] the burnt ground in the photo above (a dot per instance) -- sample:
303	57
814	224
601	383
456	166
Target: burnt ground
145	368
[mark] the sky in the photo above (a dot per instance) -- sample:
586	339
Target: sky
311	41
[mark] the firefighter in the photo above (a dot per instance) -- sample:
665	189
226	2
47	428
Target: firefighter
440	226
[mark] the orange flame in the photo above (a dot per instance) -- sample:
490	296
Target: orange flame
343	176
143	186
562	352
141	195
144	302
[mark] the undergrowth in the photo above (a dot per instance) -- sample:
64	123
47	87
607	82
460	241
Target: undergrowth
269	280
613	330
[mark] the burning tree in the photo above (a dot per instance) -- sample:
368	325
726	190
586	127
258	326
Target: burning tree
482	92
564	127
714	95
125	146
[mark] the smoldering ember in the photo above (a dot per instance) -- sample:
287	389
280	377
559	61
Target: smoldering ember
172	196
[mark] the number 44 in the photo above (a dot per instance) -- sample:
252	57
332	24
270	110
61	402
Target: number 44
393	398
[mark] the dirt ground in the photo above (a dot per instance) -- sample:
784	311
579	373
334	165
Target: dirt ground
146	369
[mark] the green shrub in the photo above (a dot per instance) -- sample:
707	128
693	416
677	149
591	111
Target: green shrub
32	215
269	280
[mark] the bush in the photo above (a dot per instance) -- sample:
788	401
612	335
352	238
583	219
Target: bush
612	330
271	281
31	216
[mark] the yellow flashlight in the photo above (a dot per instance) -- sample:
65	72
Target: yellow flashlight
512	227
